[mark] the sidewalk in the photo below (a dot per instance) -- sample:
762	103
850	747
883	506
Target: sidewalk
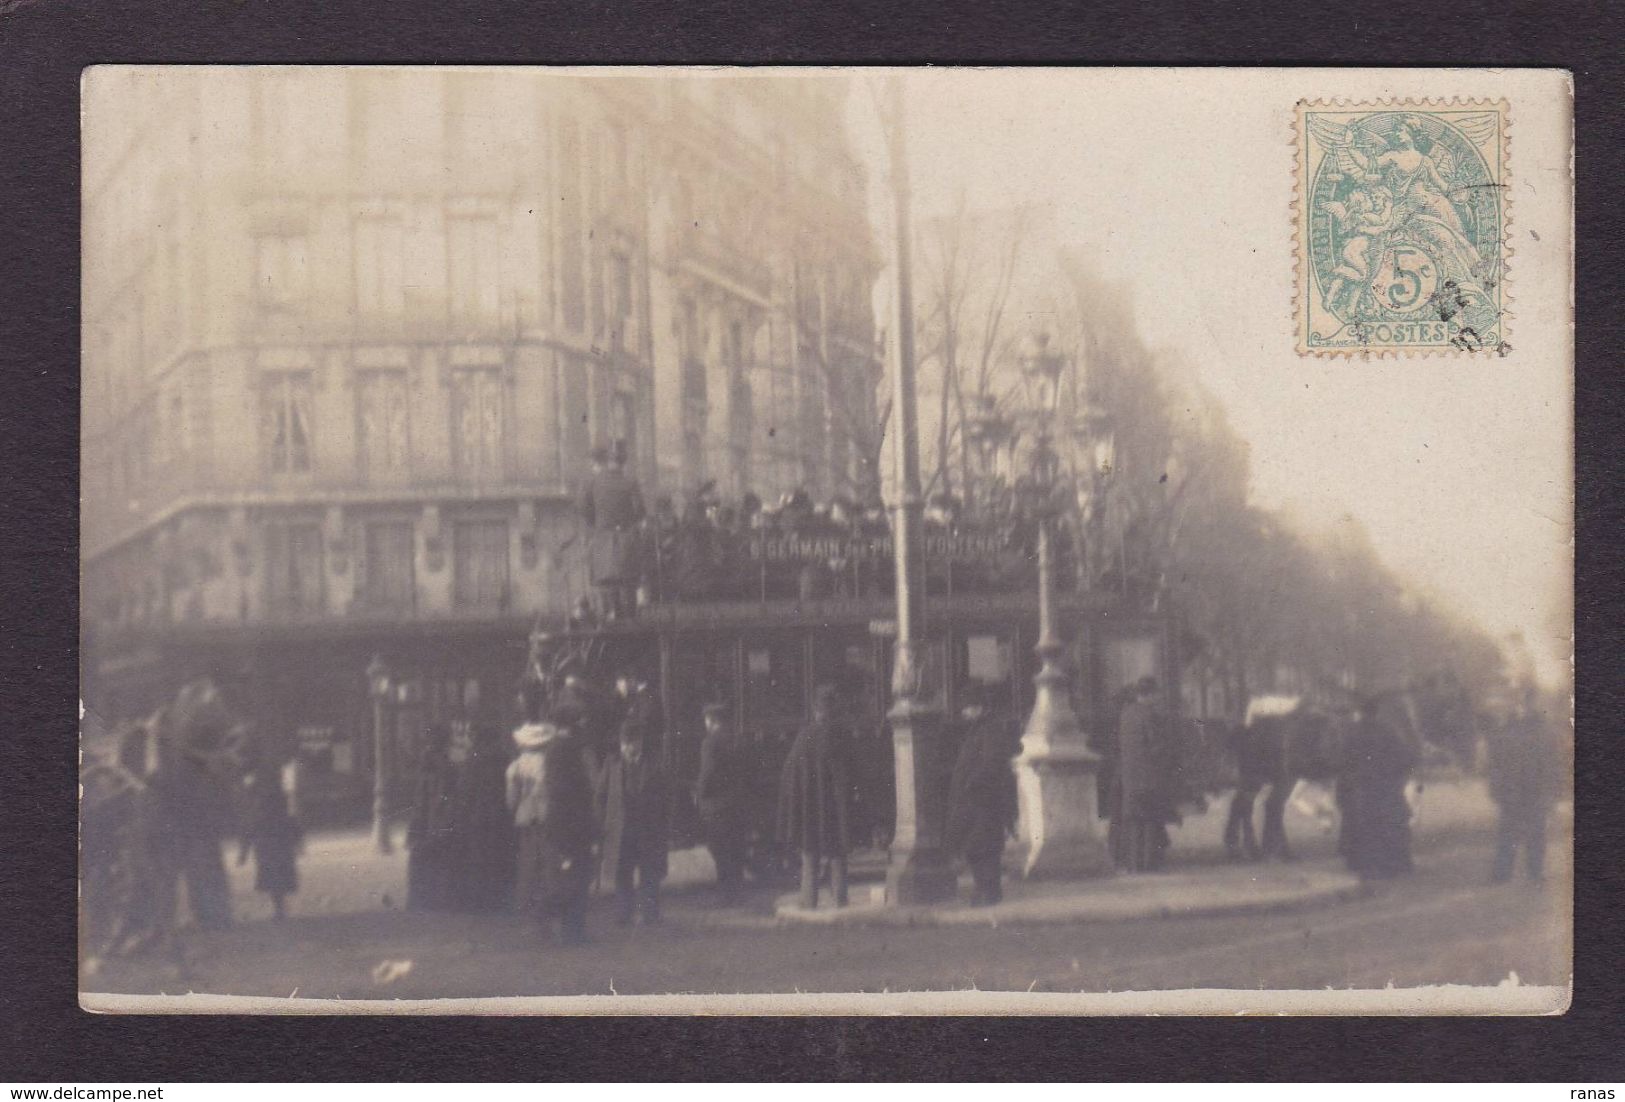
341	873
1199	893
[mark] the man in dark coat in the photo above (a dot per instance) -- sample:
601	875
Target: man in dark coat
722	796
1376	763
612	506
191	808
638	704
632	808
1143	778
1526	772
982	798
485	845
430	833
557	844
815	792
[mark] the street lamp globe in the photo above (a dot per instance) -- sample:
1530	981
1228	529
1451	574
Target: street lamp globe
1042	366
378	677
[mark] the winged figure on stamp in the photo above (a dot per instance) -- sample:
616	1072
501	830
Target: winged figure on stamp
1402	197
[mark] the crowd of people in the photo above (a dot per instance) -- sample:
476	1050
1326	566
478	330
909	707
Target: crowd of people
716	549
531	816
582	798
157	811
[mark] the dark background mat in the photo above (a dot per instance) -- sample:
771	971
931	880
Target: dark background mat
45	1038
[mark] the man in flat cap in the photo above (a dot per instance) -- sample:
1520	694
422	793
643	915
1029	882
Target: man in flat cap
815	792
722	795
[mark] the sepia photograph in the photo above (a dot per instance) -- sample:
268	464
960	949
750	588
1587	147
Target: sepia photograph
675	540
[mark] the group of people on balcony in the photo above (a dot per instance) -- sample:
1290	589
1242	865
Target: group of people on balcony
712	549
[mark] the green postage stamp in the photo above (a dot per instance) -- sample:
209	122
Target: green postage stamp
1401	227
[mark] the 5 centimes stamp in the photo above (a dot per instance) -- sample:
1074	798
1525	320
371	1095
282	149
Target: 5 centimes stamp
1401	227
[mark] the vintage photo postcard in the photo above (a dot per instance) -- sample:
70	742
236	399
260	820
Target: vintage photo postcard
778	541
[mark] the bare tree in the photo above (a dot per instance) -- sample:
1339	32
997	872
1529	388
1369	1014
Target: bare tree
971	264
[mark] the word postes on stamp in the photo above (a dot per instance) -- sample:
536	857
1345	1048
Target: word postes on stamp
1401	235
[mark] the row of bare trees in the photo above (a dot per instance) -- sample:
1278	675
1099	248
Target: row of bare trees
1263	605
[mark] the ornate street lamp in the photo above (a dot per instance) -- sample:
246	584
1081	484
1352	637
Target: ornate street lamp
378	688
1055	772
988	431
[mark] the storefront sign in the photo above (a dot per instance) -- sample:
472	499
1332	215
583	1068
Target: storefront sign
798	547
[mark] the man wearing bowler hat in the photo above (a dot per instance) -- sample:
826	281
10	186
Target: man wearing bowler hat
722	795
814	799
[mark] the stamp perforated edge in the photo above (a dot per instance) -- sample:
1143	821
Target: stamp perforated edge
1300	166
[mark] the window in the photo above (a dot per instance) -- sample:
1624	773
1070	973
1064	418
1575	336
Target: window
474	261
480	564
279	271
388	580
477	423
381	423
293	569
286	399
987	659
380	285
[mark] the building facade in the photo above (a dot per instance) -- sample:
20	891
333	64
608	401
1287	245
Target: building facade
350	335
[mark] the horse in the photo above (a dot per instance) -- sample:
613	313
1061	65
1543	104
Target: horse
1282	741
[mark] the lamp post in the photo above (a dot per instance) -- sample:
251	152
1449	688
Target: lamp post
1055	772
378	687
988	431
918	870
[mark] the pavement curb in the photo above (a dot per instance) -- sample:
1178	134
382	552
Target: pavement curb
1089	906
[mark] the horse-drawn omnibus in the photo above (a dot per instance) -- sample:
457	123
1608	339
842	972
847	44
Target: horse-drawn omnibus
762	645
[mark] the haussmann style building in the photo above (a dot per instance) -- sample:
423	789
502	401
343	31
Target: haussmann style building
350	336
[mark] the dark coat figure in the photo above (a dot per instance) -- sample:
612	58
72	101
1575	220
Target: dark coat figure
640	710
982	801
612	506
1108	782
1526	774
274	837
696	551
431	832
483	836
632	809
189	811
1144	780
722	796
815	790
1376	834
549	793
116	881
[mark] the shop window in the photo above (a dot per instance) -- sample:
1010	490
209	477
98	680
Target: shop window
987	659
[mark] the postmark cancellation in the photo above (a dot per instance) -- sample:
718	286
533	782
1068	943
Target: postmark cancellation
1401	227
